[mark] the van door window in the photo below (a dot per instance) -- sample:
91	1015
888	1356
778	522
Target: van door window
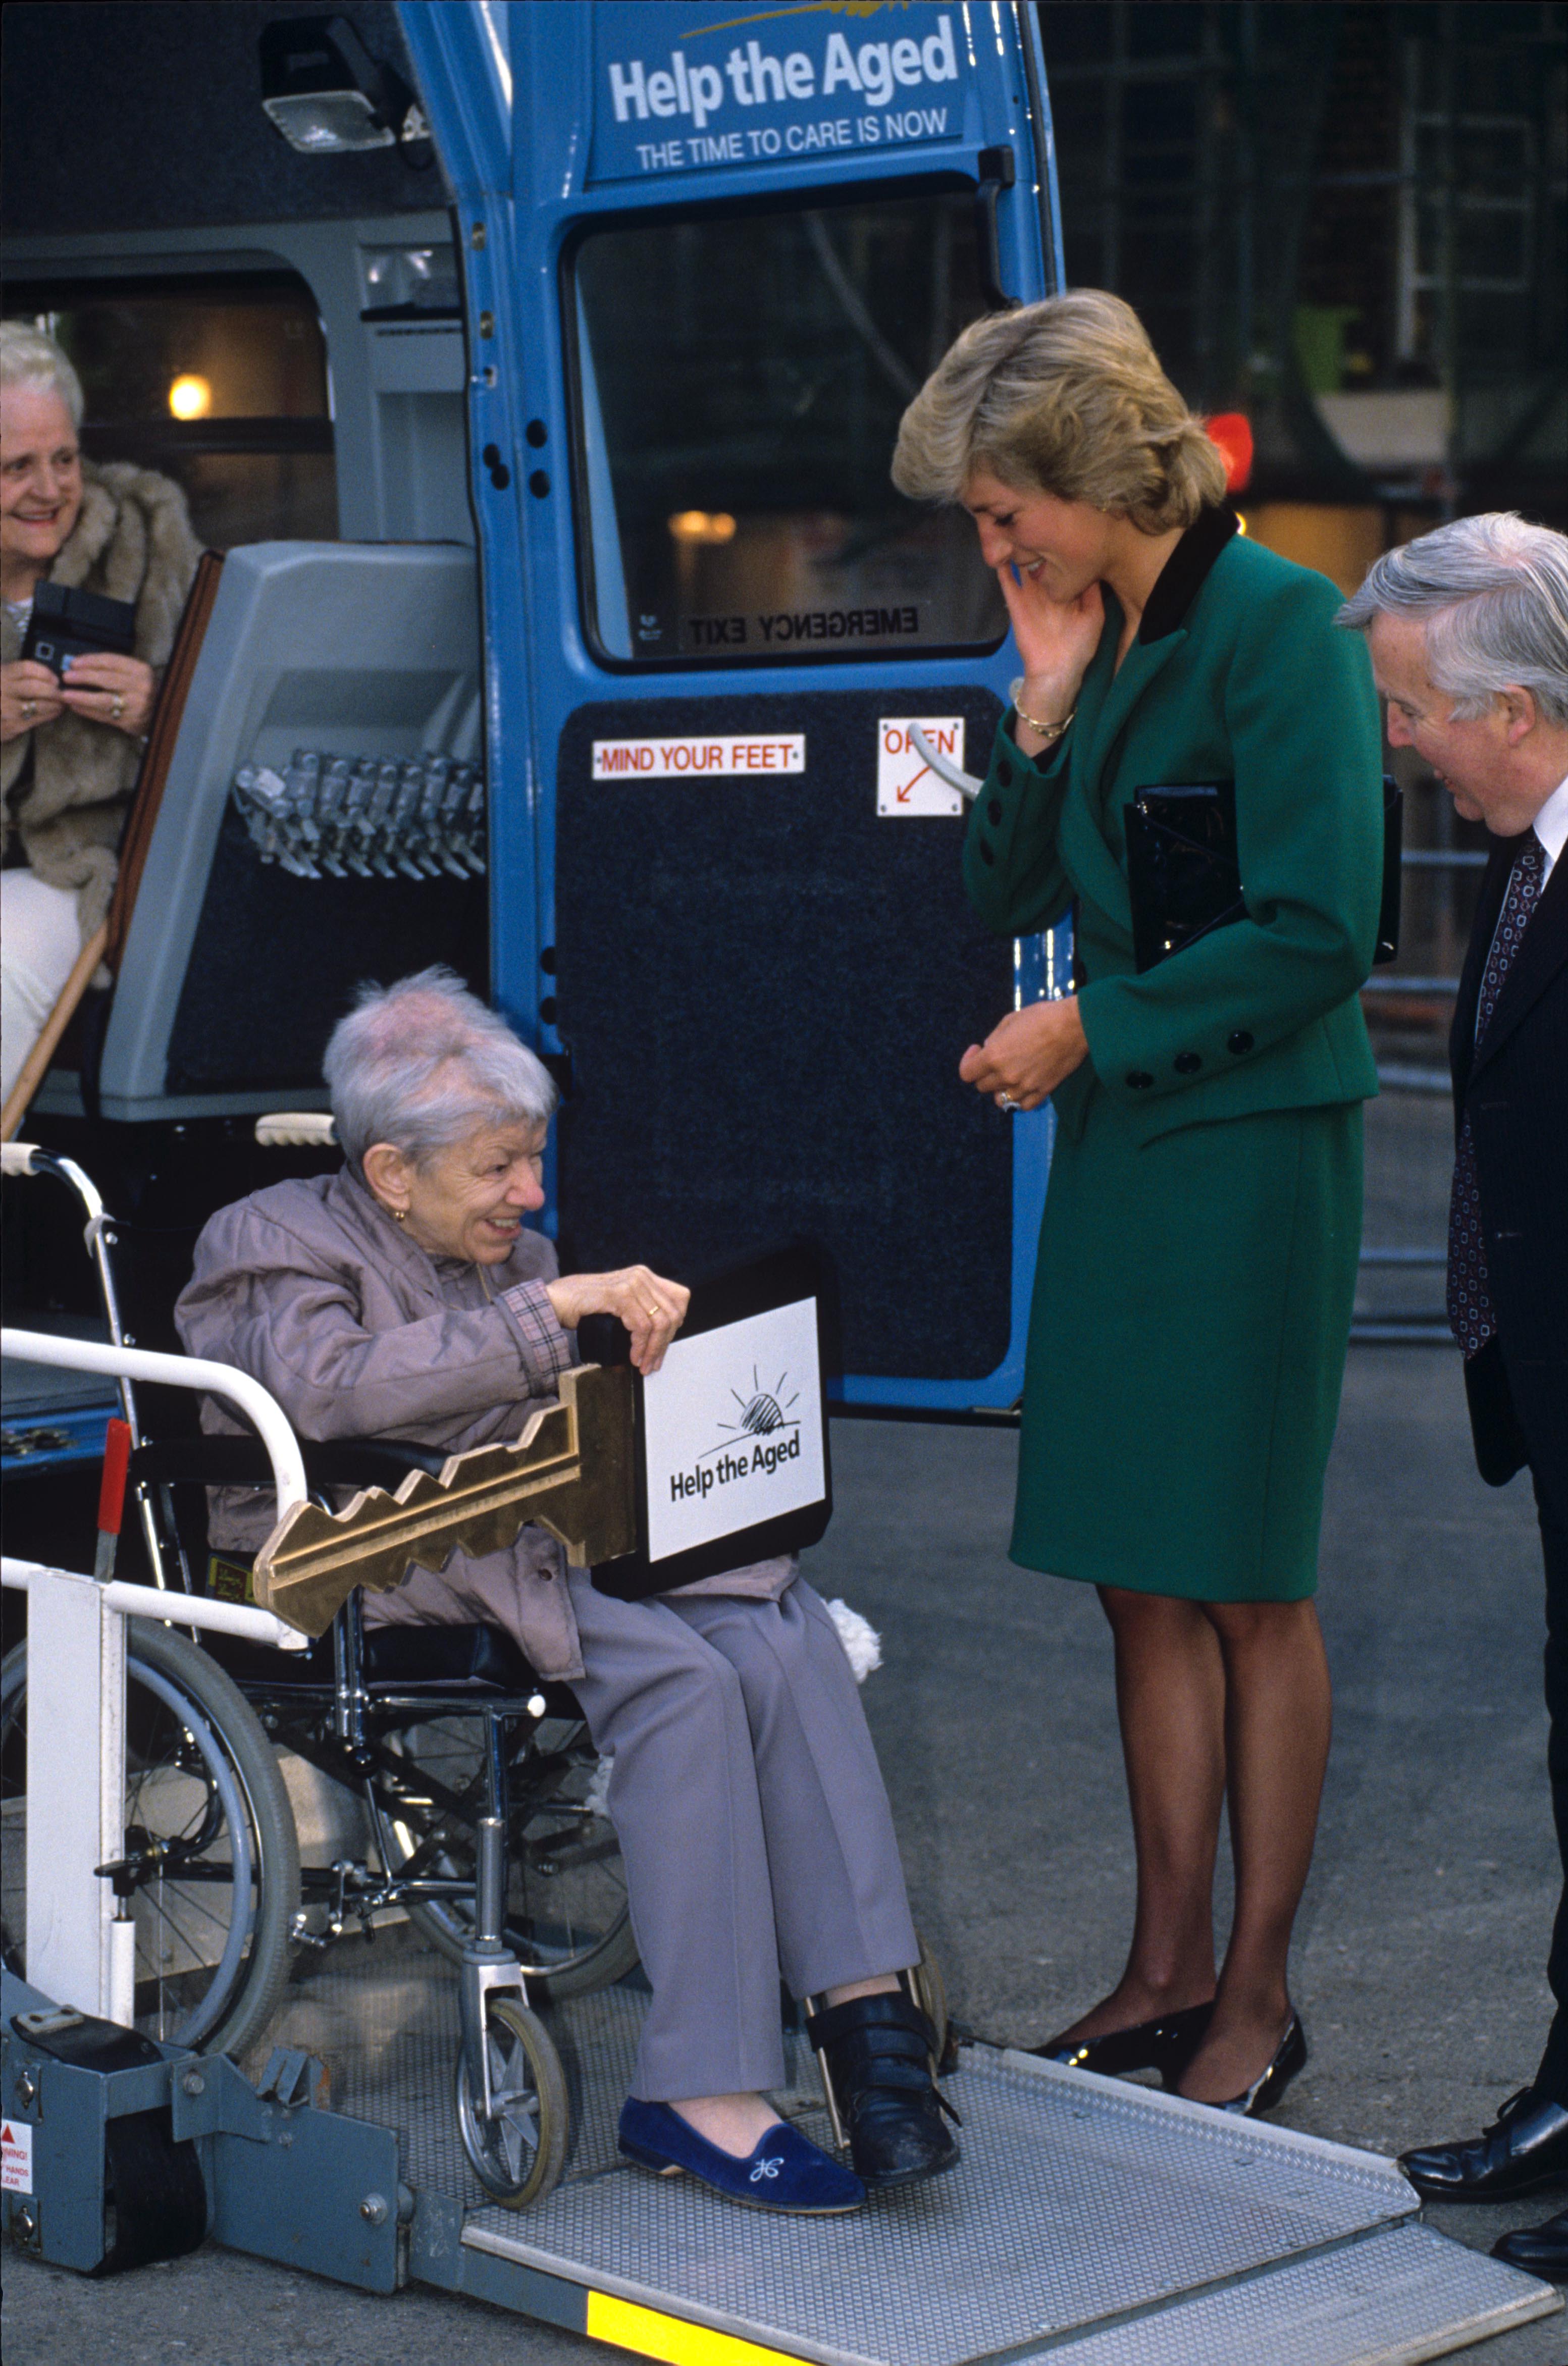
739	384
219	382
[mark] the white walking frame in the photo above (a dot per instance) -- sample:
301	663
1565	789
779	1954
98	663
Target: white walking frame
79	1950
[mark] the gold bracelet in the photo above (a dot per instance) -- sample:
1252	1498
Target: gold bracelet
1048	731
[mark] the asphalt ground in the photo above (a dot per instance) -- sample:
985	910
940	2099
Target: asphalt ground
1419	1967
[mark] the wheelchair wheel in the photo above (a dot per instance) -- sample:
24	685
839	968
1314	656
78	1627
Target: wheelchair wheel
566	1919
206	1819
518	2153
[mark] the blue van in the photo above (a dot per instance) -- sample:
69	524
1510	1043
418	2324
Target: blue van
553	358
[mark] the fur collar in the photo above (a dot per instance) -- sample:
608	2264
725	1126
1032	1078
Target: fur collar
131	541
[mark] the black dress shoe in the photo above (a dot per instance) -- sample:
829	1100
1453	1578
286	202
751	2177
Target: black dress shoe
1539	2250
878	2050
1167	2045
1526	2146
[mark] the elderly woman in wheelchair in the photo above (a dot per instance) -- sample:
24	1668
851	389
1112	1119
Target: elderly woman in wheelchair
406	1298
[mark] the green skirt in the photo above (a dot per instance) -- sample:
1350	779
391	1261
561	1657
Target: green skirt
1187	1346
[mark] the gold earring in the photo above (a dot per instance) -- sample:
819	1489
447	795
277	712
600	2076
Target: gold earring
402	1214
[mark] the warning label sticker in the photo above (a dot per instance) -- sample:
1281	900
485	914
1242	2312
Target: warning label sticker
716	759
905	780
16	2156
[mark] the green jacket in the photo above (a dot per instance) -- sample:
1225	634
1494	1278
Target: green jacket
1238	673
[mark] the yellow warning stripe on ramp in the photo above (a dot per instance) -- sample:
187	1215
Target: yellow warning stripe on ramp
671	2339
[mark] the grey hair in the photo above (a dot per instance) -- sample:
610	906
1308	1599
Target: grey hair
29	358
421	1064
1494	593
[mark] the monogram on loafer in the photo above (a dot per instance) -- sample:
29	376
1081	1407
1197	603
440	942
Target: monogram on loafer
1540	2251
784	2171
1165	2045
1527	2146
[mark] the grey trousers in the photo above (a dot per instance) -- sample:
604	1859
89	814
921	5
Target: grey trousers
753	1823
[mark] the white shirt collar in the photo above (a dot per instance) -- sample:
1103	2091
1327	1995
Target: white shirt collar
1550	826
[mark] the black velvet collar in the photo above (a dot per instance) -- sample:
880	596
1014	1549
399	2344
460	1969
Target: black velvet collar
1182	577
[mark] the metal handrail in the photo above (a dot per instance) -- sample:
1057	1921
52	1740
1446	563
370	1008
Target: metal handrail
80	1940
261	1411
148	1602
28	1158
944	767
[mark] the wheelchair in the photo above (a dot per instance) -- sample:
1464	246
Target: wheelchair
429	1770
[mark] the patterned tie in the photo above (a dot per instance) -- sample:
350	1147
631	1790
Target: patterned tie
1471	1316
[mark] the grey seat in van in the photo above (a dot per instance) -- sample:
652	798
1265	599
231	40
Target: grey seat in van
235	964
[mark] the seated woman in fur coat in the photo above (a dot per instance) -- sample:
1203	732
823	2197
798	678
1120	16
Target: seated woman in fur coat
69	748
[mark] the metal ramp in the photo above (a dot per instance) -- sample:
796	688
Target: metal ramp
1090	2221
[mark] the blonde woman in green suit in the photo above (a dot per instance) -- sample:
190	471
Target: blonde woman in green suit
1197	1255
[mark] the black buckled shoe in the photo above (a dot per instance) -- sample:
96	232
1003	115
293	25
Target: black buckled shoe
1540	2251
1167	2045
1526	2146
877	2051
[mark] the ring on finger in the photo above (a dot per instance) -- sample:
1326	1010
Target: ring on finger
1006	1101
117	709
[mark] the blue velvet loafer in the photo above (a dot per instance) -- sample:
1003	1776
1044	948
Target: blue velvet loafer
785	2172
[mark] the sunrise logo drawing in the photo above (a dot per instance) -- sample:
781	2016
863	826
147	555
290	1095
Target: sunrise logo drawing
763	1412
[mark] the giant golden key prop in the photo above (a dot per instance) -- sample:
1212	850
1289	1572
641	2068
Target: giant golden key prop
571	1470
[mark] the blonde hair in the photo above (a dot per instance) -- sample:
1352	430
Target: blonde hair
1066	396
29	358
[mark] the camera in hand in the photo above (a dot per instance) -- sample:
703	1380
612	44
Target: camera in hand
67	623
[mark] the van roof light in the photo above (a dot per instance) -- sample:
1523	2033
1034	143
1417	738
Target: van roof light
327	95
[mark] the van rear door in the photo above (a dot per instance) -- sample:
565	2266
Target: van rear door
711	254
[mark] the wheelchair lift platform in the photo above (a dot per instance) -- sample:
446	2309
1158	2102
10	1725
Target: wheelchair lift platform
1090	2221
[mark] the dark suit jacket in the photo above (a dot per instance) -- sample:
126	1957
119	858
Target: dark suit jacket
1514	1088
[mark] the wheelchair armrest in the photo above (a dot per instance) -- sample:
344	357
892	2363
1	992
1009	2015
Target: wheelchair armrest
243	1462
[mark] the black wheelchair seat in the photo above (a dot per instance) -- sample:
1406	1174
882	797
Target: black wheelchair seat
486	1658
481	1663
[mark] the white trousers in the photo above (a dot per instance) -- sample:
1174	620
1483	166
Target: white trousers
40	939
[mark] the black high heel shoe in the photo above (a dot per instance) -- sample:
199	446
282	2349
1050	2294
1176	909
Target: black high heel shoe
1269	2087
1165	2045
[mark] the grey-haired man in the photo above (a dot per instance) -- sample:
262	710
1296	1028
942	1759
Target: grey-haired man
1468	629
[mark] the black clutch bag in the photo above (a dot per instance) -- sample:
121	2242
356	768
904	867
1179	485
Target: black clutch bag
1182	872
1184	877
66	623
